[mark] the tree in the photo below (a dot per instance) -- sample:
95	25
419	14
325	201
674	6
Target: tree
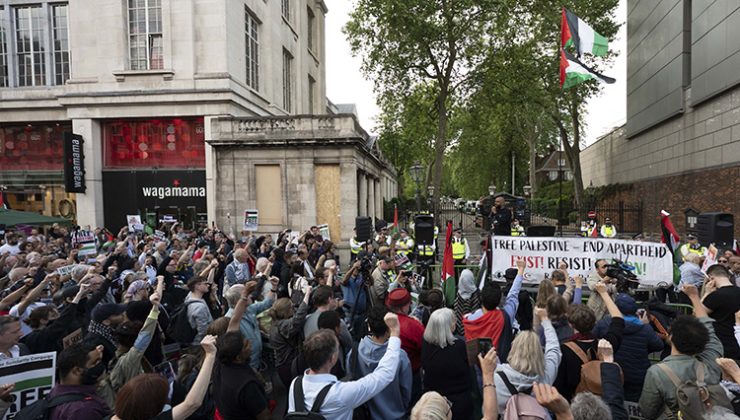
435	43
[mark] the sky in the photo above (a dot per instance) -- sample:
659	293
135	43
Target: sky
346	84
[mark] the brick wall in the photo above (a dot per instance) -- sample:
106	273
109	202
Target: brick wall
711	190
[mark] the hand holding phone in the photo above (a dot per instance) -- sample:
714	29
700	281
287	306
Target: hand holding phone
484	345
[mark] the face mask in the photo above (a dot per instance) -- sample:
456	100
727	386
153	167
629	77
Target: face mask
91	375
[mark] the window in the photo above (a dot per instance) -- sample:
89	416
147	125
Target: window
3	53
30	46
311	23
286	9
568	176
287	81
553	175
60	36
32	146
251	38
561	162
145	34
311	94
269	192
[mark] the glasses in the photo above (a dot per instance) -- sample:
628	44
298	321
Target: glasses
722	261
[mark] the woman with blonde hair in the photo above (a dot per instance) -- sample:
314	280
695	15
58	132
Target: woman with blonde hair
526	363
444	360
432	406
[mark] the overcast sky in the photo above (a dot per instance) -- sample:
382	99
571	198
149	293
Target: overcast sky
346	84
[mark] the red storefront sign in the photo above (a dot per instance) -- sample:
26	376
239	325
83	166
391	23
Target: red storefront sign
154	143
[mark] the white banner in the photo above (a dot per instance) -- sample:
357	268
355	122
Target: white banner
33	376
652	261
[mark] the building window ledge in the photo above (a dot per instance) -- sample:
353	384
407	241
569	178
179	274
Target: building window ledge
315	56
121	75
290	25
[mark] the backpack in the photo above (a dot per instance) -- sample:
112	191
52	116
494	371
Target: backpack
590	371
521	405
300	402
696	398
180	329
41	409
362	412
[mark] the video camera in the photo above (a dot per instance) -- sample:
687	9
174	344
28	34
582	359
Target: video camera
623	274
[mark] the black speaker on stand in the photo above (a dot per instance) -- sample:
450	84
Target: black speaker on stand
715	228
424	229
541	231
364	228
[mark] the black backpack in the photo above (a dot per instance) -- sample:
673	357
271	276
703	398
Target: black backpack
362	412
180	329
300	403
41	409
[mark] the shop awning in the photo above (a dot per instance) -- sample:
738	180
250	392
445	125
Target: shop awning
11	218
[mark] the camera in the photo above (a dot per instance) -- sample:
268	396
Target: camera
622	273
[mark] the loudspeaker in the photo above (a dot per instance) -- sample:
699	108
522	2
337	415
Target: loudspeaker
424	229
364	228
715	228
541	230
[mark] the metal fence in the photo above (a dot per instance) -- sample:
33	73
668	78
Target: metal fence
628	219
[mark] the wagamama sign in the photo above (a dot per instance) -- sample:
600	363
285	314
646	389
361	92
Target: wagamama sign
166	192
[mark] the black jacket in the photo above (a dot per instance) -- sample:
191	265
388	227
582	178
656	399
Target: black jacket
50	338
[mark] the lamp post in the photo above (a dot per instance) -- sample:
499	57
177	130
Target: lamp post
591	193
527	190
491	190
416	171
431	201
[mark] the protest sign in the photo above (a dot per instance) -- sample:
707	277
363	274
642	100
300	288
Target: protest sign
251	219
85	240
633	410
400	260
33	377
168	218
67	269
134	223
324	231
652	261
159	236
72	338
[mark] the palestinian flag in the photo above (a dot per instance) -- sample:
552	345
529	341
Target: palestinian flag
448	269
669	235
577	33
573	72
395	228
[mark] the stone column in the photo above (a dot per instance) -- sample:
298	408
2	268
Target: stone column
378	200
371	198
363	194
90	203
211	172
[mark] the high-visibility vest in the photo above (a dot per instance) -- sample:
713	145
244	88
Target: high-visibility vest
458	248
354	246
608	231
425	250
409	242
701	251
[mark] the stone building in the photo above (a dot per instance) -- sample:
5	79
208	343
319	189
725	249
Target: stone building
140	81
297	172
680	147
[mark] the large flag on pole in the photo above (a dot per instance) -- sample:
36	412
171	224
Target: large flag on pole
575	32
395	228
669	235
573	72
448	268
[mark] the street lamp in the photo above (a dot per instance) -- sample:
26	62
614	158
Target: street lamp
491	190
432	201
416	172
527	190
591	192
430	190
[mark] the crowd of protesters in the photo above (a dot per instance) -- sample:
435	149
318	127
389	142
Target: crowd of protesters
188	324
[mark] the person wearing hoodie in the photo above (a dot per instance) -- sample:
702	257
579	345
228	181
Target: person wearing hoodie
638	340
394	400
557	308
444	359
467	299
286	333
526	363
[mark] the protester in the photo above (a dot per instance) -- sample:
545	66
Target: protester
80	366
467	299
393	401
286	333
412	332
444	360
597	275
10	334
722	301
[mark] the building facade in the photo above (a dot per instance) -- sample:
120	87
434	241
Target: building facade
296	171
680	146
140	80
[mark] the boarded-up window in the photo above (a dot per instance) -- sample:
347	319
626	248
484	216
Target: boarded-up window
327	198
269	194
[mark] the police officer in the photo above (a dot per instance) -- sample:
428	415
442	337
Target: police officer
460	251
608	230
516	228
693	246
404	244
355	246
500	217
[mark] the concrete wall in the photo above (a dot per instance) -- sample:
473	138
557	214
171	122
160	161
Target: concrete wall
703	137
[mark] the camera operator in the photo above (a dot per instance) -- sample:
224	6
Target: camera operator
597	275
356	297
405	279
381	280
500	217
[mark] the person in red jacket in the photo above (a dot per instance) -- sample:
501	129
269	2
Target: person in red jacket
398	301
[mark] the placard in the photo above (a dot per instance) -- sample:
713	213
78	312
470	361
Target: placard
33	376
67	269
324	231
72	338
85	240
159	236
134	223
251	220
652	261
